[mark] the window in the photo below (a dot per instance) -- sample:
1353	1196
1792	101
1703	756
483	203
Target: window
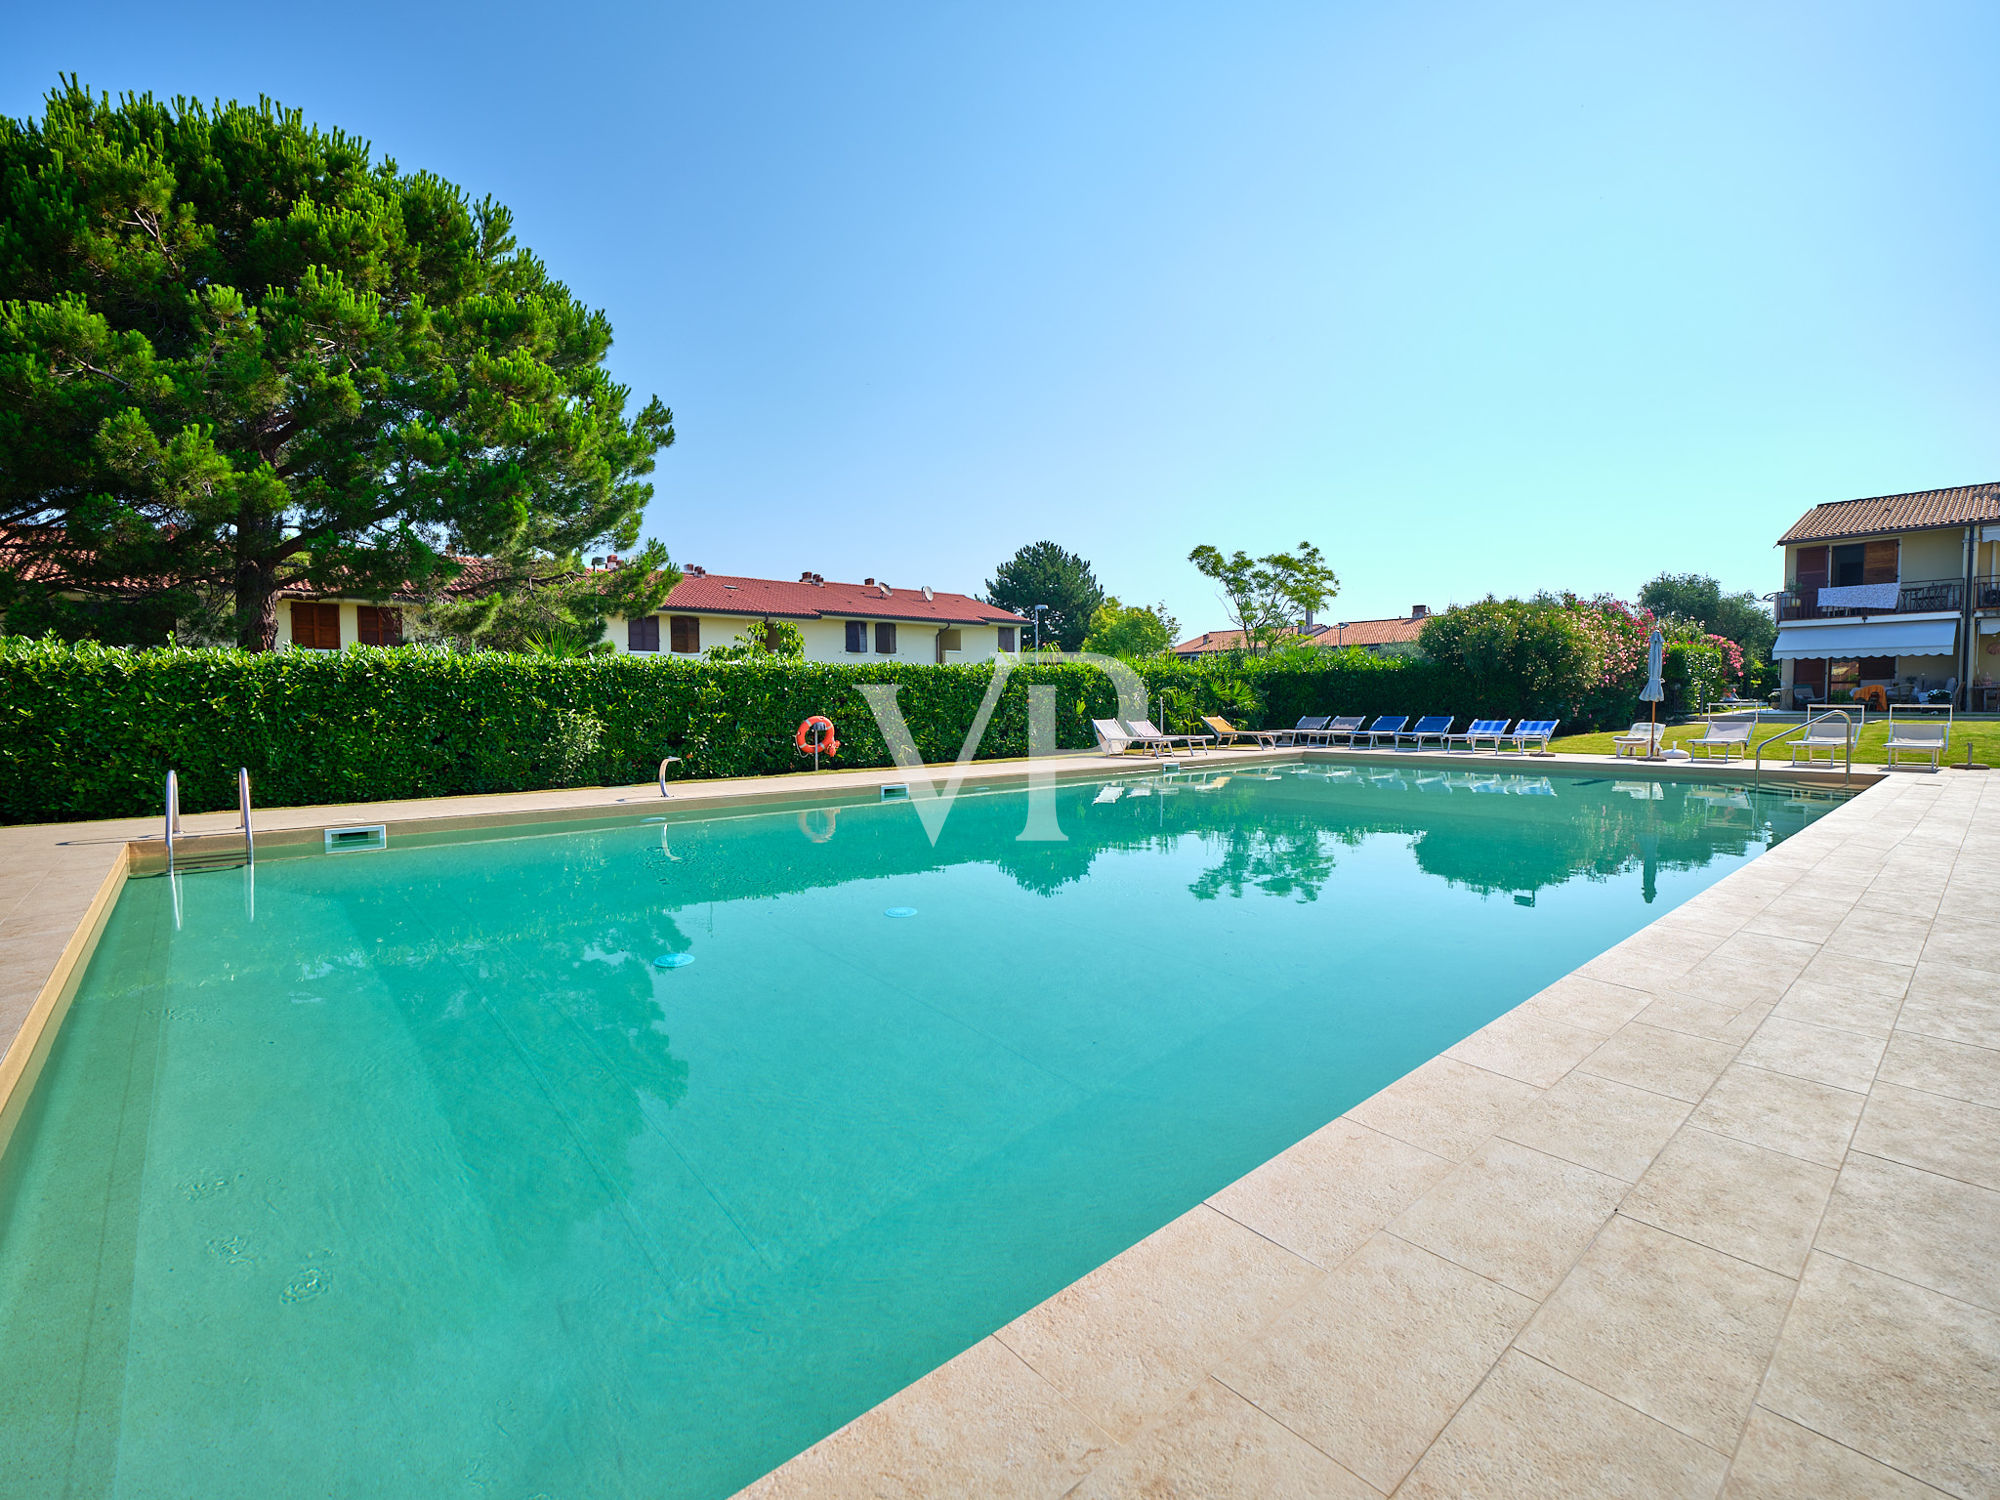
316	626
857	635
686	633
643	634
950	640
885	638
1850	565
376	626
1843	678
1006	637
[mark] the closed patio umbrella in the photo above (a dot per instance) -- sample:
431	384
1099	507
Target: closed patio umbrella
1654	690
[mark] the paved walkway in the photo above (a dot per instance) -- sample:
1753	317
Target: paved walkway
1717	1213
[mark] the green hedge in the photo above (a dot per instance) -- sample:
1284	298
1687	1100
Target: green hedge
88	731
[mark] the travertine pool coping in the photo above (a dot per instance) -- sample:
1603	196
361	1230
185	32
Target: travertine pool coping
1718	1213
1718	1208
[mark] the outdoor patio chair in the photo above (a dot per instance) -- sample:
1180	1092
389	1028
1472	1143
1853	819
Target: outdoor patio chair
1343	729
1642	738
1227	733
1732	735
1829	735
1147	737
1533	732
1112	737
1918	739
1480	729
1385	727
1435	727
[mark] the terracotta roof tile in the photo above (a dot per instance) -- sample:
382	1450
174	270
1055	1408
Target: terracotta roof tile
719	593
1918	511
1357	633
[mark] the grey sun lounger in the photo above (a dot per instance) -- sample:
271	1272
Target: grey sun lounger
1480	729
1303	731
1342	729
1385	727
1434	727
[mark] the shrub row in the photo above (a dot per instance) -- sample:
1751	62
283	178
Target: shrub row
88	731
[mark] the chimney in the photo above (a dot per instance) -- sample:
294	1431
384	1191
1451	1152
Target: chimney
806	576
1419	611
868	583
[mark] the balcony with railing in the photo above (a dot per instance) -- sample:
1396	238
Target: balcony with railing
1911	597
1986	592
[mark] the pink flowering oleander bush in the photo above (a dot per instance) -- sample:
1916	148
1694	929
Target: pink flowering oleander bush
1583	660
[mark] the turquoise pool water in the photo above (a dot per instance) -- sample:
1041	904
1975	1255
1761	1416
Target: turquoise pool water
430	1181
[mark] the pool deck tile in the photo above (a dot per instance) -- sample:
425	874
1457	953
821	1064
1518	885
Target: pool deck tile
1717	1213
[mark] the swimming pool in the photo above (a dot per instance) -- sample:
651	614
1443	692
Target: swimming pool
429	1179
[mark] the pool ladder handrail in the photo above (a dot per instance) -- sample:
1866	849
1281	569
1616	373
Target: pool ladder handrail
173	815
243	808
1847	776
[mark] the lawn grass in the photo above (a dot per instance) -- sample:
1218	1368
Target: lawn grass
1983	735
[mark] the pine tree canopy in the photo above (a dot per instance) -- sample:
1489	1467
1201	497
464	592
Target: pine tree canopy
238	351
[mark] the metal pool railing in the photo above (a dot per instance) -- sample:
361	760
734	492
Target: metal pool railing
1847	776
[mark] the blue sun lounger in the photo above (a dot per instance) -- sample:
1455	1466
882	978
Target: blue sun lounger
1480	729
1384	728
1435	727
1533	731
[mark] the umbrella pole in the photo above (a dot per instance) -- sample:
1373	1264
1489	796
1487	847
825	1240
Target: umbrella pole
1654	752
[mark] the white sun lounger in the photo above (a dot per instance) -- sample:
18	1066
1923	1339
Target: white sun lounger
1112	737
1147	737
1918	739
1732	734
1643	738
1826	735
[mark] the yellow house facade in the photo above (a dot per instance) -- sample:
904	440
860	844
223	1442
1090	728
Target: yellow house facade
1900	592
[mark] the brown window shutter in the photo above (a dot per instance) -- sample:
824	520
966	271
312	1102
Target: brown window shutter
1812	568
642	633
1883	562
885	638
686	634
1006	637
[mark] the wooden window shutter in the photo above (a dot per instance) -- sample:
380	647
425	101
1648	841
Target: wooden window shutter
1006	637
1812	567
1883	562
857	635
686	634
377	626
642	633
885	638
315	626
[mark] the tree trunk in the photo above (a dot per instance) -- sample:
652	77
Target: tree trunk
256	606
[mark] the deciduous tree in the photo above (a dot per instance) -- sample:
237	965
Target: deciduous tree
1270	596
1131	629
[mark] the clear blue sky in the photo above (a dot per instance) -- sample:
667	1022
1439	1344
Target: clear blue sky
1479	298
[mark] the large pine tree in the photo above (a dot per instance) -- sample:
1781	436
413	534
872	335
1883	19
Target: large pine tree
237	350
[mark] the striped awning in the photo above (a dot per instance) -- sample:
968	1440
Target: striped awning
1848	639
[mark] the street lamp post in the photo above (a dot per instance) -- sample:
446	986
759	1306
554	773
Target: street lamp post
1038	627
1340	639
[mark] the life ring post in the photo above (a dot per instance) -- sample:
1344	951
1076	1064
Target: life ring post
816	736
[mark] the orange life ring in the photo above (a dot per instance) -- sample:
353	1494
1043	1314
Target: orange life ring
824	744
